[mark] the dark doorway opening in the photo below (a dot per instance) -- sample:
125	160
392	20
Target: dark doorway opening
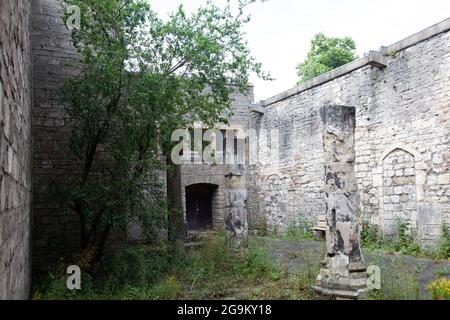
199	206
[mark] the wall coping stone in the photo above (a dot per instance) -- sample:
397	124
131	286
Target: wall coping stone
256	107
418	37
373	58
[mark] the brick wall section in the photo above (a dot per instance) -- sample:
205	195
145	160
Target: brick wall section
404	106
15	149
54	60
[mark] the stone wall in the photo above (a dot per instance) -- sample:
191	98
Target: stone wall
402	140
192	174
15	149
54	60
289	182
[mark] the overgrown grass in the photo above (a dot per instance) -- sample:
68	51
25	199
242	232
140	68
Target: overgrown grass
403	242
399	281
300	230
118	276
303	231
210	271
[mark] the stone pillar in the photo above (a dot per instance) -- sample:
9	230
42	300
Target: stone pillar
236	206
343	272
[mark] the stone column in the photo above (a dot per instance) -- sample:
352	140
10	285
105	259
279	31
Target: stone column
236	206
343	272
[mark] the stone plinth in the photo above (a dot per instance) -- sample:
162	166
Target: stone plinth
343	272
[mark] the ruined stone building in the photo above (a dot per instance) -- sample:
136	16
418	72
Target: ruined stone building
402	98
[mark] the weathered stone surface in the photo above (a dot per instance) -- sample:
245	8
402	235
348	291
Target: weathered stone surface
343	272
404	106
402	157
236	209
401	191
216	175
56	233
15	149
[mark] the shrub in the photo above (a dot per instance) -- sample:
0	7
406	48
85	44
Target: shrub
371	236
212	270
404	242
443	247
300	231
255	264
53	286
133	266
213	257
168	289
440	289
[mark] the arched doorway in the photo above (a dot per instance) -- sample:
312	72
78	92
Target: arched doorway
199	206
399	190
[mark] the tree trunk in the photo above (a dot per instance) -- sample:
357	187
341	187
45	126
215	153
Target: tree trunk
177	231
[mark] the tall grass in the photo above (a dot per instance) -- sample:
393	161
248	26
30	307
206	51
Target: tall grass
212	270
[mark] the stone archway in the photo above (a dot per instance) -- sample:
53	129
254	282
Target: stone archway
274	202
399	190
400	178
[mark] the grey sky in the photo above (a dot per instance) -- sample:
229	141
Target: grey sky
280	31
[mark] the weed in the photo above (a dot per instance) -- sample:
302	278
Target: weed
440	289
443	272
403	243
212	270
299	232
371	237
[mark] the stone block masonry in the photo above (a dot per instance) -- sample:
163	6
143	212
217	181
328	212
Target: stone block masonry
215	176
15	149
401	141
402	148
54	60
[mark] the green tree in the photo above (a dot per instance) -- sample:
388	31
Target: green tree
325	55
142	77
